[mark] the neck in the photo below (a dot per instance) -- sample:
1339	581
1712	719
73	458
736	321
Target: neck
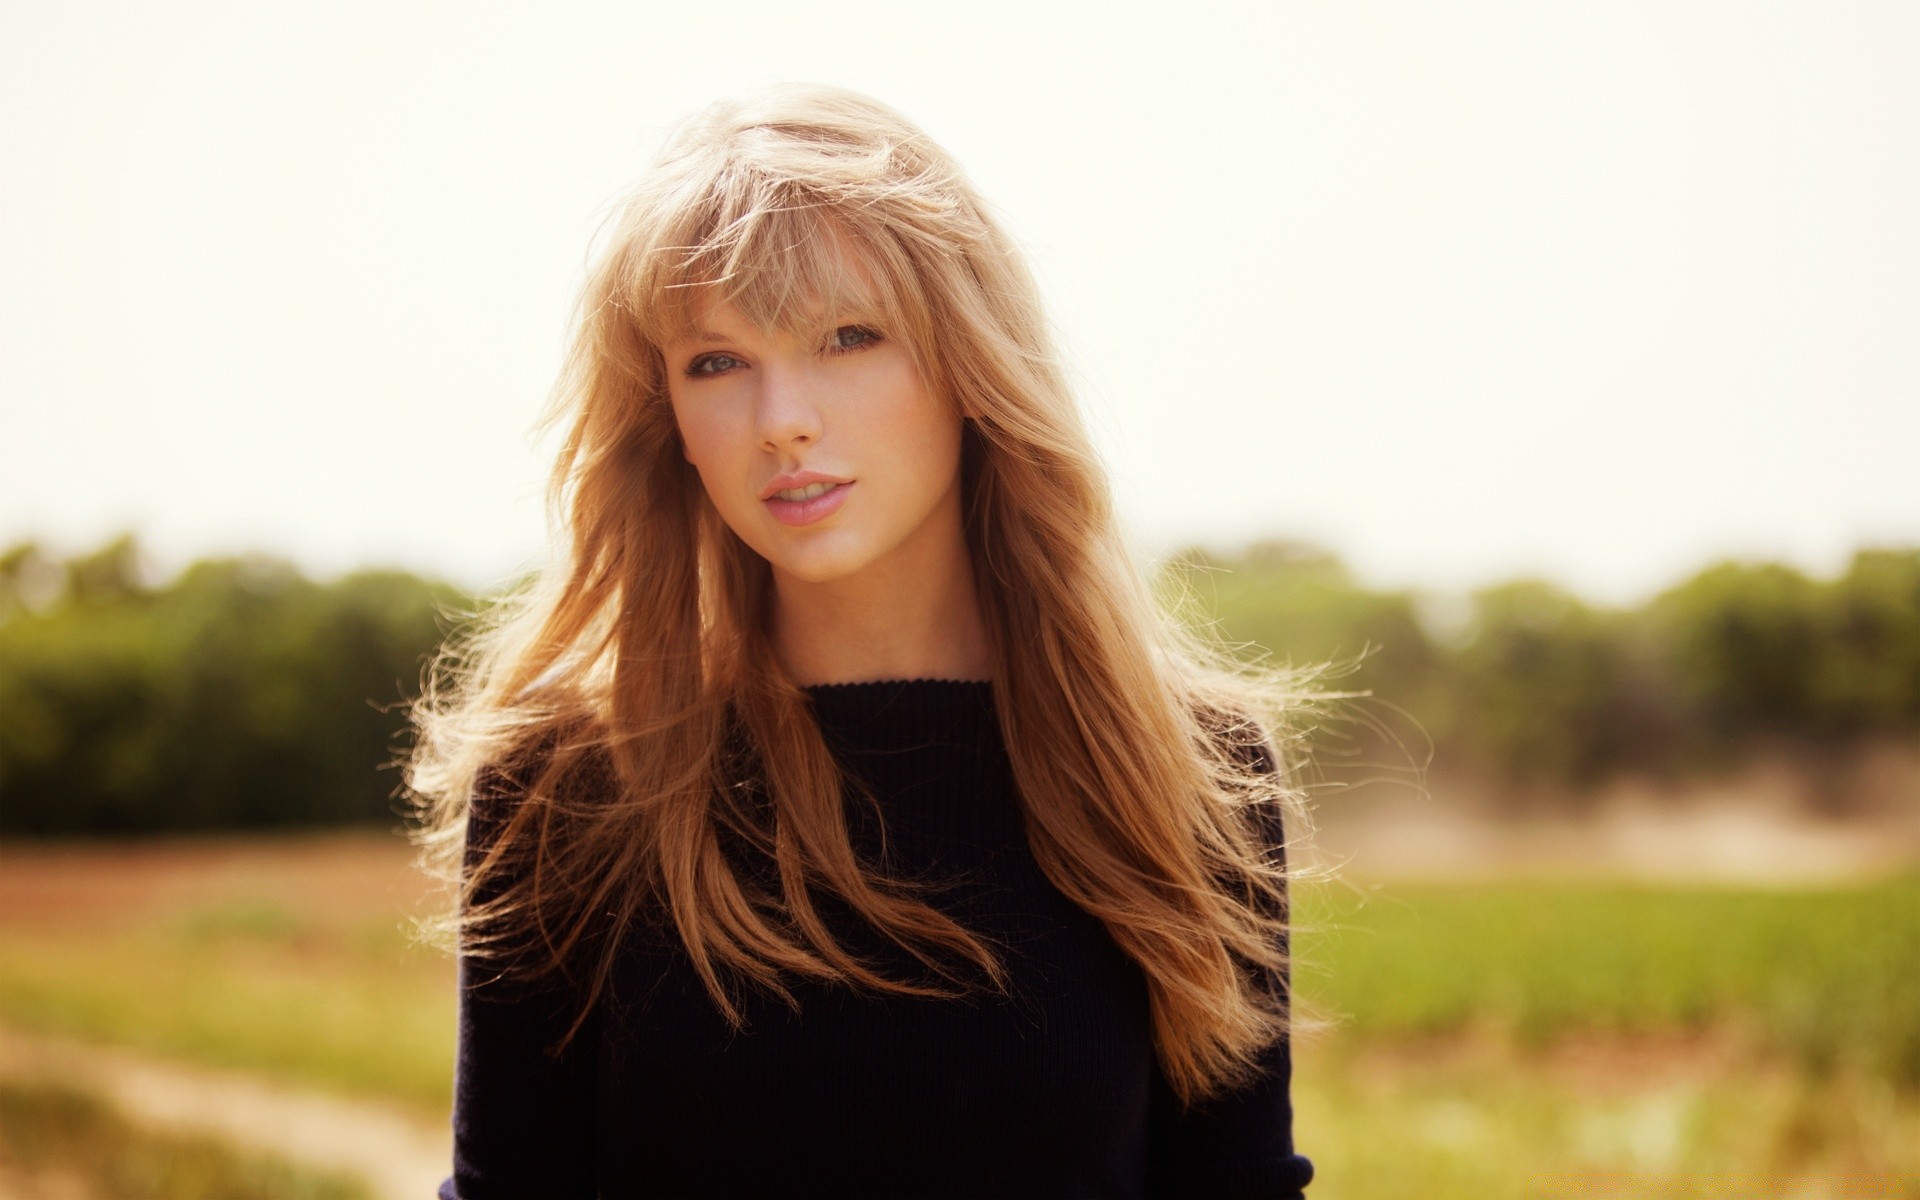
913	621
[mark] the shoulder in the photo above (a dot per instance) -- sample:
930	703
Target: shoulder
1247	742
504	779
538	763
1245	739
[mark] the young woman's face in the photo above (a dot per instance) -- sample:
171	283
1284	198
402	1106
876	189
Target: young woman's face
848	403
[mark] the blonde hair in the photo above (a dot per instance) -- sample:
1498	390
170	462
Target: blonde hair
614	724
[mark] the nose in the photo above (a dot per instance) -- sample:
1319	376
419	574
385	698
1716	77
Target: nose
788	408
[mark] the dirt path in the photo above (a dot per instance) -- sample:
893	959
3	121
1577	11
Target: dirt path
400	1153
1740	837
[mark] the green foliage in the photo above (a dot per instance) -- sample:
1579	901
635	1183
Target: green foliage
1535	686
1291	602
1303	605
241	695
1762	649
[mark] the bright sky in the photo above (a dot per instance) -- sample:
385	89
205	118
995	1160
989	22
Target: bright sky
1463	291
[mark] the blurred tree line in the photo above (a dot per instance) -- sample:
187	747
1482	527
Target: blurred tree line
1525	685
244	695
240	695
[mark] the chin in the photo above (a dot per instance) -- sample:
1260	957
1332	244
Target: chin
822	566
810	571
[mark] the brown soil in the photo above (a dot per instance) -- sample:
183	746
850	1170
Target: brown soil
1598	1066
334	877
47	1183
1756	828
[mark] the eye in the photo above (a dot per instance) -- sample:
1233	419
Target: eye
711	364
851	337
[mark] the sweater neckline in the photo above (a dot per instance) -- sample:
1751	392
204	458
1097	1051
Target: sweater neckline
922	680
889	714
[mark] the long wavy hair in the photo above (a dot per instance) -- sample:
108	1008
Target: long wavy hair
606	743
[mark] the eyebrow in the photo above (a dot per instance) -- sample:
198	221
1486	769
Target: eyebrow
707	337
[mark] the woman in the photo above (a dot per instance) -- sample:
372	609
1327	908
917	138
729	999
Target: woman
844	815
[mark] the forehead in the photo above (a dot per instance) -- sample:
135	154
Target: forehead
720	320
770	284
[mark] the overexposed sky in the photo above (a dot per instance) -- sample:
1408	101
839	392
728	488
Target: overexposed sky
1463	291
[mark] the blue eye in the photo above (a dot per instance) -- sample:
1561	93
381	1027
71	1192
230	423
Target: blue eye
719	363
852	337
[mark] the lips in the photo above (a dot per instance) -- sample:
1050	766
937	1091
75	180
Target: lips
806	512
800	479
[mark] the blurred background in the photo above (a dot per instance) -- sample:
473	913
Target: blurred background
1551	370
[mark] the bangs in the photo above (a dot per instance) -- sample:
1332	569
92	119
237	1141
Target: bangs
788	266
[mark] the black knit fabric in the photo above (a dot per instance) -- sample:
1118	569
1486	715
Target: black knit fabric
1052	1093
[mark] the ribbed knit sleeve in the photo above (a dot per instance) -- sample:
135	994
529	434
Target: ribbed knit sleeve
1239	1144
523	1120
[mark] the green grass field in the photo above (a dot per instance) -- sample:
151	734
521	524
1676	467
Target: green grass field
1486	1040
284	956
51	1129
1827	980
1514	1039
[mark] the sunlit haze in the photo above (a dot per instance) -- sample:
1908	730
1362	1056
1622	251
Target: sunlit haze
1599	292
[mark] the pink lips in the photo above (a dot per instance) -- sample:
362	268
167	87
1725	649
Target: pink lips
806	512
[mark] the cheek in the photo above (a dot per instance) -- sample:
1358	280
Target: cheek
910	425
702	442
926	440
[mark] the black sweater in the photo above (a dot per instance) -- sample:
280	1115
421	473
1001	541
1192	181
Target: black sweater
1056	1093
